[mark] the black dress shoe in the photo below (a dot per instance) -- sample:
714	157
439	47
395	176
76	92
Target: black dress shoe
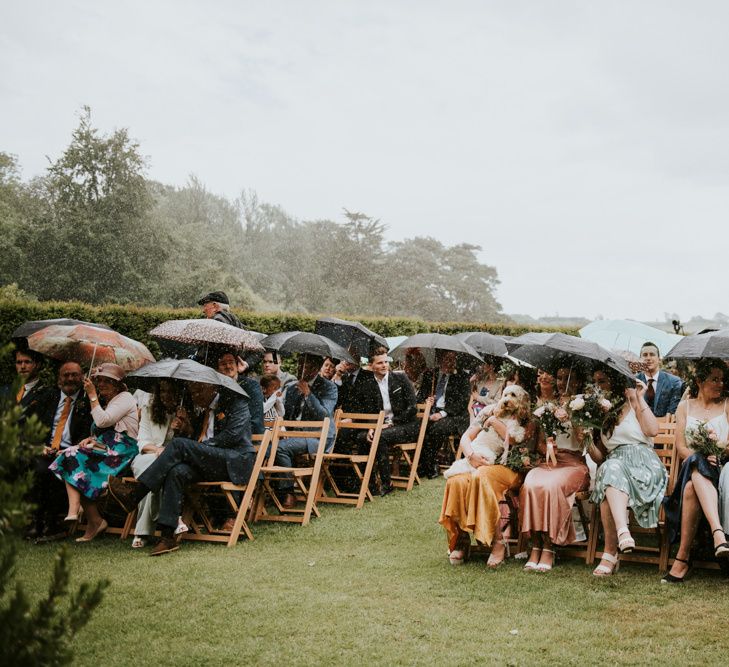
669	578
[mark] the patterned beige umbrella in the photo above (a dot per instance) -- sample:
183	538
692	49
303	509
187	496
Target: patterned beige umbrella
207	331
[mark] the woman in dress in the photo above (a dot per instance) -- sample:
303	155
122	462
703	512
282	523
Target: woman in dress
630	475
695	494
546	387
155	431
85	468
486	387
471	502
548	493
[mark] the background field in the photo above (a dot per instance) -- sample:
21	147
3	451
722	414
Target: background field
375	587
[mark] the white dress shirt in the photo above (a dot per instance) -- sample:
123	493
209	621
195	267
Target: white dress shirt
384	386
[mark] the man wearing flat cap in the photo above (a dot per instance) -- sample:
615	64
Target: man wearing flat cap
216	306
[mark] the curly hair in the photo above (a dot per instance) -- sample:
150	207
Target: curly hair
157	408
618	385
701	369
523	410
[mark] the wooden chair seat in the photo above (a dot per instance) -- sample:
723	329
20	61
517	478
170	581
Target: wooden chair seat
408	454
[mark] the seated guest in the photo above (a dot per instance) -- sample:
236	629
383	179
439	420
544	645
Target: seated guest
312	398
664	390
477	484
234	367
328	368
271	365
273	407
155	431
548	493
486	386
65	411
630	475
86	467
213	445
449	391
396	397
415	366
695	495
28	365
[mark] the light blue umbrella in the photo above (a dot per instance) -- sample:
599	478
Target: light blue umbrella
627	335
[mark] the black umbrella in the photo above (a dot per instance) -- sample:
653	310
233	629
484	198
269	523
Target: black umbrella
179	369
559	350
484	343
303	342
531	337
352	336
28	328
428	343
713	345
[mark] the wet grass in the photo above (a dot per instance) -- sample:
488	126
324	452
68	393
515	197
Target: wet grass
375	587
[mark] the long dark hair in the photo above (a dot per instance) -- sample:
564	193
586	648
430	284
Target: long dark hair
618	385
157	409
700	372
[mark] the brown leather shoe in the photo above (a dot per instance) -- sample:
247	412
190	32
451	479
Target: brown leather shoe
289	501
164	546
125	494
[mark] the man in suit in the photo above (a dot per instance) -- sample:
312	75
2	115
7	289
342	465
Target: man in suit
235	368
664	390
449	391
396	396
28	365
312	398
271	365
66	412
216	445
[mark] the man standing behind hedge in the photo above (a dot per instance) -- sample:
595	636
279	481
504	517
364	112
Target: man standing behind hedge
216	306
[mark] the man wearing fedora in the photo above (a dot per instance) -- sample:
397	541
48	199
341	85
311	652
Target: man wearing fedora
216	306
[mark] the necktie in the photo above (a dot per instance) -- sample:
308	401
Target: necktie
440	387
204	429
61	426
650	393
20	394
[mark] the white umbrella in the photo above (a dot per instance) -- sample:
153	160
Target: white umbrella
627	335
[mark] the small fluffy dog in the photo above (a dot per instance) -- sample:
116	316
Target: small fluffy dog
513	410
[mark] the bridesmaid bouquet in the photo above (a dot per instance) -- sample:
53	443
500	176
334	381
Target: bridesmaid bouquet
589	409
704	440
548	415
521	458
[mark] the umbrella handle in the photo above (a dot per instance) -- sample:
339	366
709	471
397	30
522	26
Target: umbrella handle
432	385
93	356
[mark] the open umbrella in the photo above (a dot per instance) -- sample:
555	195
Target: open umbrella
428	343
713	345
303	342
180	369
353	336
89	345
627	335
559	350
207	332
484	343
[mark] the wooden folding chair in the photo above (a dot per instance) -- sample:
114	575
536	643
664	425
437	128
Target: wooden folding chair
359	464
409	453
655	553
586	548
306	478
201	527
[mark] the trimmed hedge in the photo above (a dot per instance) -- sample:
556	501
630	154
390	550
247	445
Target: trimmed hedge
136	322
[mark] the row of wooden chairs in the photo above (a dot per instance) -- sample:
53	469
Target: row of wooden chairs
314	477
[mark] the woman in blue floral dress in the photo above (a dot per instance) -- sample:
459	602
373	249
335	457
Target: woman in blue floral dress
85	468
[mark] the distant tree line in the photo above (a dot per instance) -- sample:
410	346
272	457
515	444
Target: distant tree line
94	228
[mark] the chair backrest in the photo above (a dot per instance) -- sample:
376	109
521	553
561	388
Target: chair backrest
664	445
283	429
423	416
358	420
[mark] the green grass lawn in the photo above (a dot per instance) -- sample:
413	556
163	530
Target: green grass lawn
375	587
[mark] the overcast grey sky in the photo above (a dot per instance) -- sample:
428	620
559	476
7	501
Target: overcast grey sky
584	145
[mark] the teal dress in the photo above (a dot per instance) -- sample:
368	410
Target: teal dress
633	467
88	470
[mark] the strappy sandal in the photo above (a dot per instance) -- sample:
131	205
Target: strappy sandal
492	562
605	571
626	544
138	542
721	550
456	556
544	567
531	564
669	578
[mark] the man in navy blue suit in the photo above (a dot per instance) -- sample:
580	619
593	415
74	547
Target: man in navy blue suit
664	390
312	398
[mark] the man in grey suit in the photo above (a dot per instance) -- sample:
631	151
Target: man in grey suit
664	390
312	398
